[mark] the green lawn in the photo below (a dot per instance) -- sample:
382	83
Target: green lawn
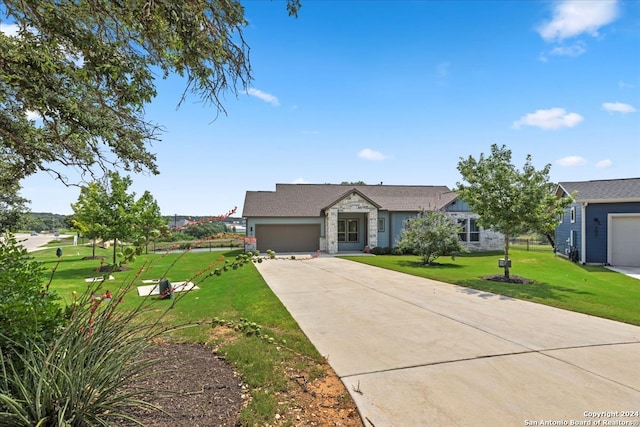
236	294
560	283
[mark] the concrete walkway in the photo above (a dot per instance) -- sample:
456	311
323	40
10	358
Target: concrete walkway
417	352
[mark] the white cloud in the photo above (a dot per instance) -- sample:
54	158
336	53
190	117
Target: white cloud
300	181
575	50
266	97
618	107
32	115
574	17
604	164
624	85
9	29
570	161
553	118
369	154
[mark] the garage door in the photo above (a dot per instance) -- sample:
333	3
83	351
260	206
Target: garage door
625	240
288	238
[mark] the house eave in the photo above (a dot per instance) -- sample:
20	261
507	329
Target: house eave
587	201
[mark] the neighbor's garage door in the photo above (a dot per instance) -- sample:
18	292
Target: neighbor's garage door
625	240
288	238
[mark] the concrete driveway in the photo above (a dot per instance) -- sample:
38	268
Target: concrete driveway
417	352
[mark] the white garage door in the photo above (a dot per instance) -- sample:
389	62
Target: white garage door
624	240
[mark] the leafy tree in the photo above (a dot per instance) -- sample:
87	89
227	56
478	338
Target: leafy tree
12	211
431	235
507	199
108	211
88	212
76	76
118	215
149	223
12	205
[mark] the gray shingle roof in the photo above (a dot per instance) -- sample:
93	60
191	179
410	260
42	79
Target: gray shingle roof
308	200
610	190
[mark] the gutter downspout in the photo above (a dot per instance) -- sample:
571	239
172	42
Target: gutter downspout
583	234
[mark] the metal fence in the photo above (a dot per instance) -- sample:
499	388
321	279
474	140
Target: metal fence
530	245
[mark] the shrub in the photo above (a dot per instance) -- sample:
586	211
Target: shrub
80	377
28	309
376	250
431	235
83	375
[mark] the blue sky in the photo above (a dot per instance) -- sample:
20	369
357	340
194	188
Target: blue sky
397	92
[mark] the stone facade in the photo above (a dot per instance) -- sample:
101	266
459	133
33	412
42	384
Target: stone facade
490	240
352	203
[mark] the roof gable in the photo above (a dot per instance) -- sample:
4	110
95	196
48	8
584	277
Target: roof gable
603	191
353	191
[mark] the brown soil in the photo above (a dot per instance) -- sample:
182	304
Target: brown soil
197	388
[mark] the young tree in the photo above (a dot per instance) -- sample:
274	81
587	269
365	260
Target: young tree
88	214
431	235
119	215
149	223
507	199
75	76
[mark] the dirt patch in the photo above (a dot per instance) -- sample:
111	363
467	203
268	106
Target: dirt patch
510	279
200	389
323	401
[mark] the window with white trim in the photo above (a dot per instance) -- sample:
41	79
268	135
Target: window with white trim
573	214
381	224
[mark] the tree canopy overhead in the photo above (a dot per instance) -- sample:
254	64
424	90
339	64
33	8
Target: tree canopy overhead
76	75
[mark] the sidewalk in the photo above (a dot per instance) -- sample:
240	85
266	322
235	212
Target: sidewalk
415	352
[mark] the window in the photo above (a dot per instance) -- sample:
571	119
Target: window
463	230
573	214
474	231
347	230
470	230
381	224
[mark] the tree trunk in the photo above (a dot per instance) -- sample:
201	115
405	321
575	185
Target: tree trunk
94	248
506	255
115	260
550	239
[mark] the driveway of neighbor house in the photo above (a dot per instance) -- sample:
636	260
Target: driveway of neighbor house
414	351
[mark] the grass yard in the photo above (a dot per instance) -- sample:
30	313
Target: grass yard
236	294
560	283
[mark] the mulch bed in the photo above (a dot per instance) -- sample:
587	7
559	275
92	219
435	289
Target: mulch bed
194	387
511	279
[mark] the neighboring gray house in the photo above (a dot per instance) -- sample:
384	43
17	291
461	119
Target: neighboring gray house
602	226
333	218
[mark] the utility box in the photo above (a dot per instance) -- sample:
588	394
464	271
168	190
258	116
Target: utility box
501	263
165	288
